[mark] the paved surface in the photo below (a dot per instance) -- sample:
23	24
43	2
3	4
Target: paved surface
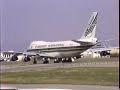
41	67
57	87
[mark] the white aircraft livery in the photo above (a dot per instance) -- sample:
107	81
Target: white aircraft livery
64	50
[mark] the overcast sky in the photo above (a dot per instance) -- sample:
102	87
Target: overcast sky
24	21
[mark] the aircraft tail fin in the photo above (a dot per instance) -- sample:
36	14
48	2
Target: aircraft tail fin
91	28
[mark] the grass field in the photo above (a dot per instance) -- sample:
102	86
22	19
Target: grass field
81	60
81	76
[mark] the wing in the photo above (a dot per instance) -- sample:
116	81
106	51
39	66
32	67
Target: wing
42	55
100	49
100	41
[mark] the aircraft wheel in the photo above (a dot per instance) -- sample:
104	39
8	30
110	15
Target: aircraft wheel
46	61
35	61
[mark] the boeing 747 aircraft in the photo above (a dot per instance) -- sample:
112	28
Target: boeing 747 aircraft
64	51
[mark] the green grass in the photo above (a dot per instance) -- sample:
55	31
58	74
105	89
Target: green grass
86	60
81	76
81	60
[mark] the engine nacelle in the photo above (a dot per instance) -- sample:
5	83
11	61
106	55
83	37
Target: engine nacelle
14	58
27	59
104	53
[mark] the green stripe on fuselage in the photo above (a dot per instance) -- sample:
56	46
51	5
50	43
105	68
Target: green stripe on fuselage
61	49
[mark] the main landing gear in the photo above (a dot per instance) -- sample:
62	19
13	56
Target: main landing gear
46	60
63	60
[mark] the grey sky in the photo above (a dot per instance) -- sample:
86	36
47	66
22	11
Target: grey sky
23	21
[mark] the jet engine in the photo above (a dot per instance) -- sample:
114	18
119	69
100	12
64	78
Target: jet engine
14	58
27	59
104	53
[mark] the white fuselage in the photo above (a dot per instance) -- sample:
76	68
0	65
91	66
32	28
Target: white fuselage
60	49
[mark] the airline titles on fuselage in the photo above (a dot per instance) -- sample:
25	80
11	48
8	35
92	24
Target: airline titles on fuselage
46	46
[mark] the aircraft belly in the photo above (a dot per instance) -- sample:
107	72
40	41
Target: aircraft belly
70	53
64	54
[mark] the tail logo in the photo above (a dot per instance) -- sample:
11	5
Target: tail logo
91	27
89	31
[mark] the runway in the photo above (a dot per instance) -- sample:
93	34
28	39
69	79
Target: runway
57	87
41	67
